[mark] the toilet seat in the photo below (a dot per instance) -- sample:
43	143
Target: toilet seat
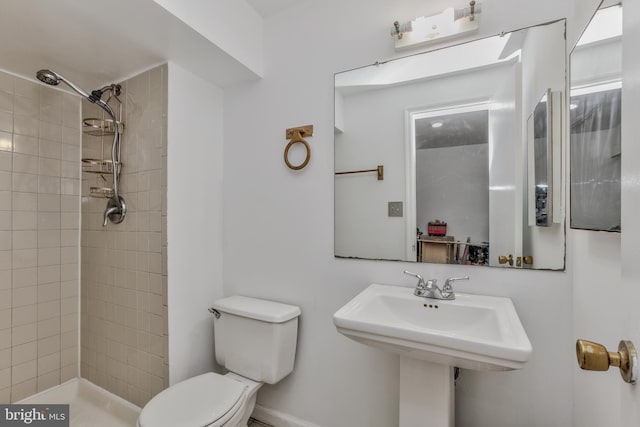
206	400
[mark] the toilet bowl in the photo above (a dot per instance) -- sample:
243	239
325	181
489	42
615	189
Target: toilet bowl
210	399
256	341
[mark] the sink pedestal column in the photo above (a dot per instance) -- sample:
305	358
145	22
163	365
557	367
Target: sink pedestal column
426	394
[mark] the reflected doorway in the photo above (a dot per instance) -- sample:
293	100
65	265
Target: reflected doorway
450	185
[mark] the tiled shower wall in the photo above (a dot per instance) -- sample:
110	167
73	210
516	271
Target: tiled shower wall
124	276
39	236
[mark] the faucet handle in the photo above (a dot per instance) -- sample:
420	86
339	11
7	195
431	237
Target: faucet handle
447	284
419	277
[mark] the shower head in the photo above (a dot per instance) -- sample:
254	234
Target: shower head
52	78
48	77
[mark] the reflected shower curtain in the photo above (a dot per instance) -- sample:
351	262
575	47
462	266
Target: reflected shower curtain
595	160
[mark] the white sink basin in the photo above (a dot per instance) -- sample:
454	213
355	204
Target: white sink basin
472	331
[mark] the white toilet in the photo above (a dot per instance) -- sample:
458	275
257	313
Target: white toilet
256	341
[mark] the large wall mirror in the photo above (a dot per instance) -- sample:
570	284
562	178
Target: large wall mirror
432	154
595	119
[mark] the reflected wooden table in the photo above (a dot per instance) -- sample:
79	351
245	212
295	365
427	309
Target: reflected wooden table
444	250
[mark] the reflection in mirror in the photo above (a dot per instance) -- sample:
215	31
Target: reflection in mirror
595	109
449	126
540	154
443	137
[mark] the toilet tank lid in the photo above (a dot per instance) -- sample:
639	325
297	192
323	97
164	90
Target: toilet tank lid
258	309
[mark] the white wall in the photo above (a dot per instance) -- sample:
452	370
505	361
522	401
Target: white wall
232	25
279	225
194	215
453	185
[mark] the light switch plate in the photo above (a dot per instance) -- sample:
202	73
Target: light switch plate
395	209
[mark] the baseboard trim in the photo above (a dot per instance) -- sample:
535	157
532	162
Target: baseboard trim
279	419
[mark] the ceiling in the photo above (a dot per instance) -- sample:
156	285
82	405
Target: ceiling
456	129
94	42
269	7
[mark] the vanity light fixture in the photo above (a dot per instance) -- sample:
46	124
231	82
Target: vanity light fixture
427	29
399	29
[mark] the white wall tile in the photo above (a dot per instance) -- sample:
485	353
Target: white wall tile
25	239
48	380
49	310
49	167
48	345
24	315
71	111
25	201
25	183
5	280
6	161
25	164
26	88
24	220
48	329
49	148
5	200
50	132
24	296
30	236
48	274
48	202
48	220
24	353
25	277
71	136
6	83
5	304
23	125
5	342
6	121
6	141
51	113
50	96
5	240
70	186
25	145
49	256
119	257
23	372
6	101
5	181
28	107
6	260
49	363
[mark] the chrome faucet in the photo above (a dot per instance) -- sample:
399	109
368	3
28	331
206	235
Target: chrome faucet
110	211
430	289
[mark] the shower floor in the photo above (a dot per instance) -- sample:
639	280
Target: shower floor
91	406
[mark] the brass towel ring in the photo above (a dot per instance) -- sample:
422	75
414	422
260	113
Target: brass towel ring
295	135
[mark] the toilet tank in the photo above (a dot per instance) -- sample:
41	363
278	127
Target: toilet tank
256	338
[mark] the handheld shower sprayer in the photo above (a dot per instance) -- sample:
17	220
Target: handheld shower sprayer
116	207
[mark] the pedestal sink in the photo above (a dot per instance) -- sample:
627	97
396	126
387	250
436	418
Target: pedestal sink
433	336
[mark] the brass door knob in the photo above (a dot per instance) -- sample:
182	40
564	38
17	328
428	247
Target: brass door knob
595	357
526	260
506	260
